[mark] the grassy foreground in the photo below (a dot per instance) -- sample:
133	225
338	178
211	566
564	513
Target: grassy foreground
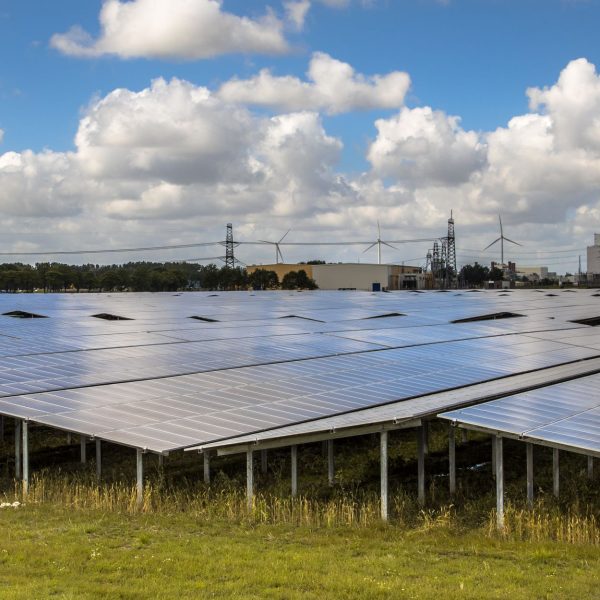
52	552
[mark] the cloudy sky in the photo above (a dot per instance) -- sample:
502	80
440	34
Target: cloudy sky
156	122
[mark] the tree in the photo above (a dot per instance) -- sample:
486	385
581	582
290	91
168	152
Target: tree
261	279
474	274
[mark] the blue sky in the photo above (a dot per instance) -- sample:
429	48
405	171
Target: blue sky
470	58
473	59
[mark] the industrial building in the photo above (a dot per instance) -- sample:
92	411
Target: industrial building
356	276
533	273
593	261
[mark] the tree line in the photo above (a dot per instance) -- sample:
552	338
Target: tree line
142	277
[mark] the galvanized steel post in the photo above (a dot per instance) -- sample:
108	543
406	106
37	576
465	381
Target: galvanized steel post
25	459
590	467
529	454
83	445
330	463
249	479
17	448
98	459
421	465
452	460
294	461
384	474
140	477
206	467
499	482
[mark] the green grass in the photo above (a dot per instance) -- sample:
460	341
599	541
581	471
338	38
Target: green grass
75	539
52	552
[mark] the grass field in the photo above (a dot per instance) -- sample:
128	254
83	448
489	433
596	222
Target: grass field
74	539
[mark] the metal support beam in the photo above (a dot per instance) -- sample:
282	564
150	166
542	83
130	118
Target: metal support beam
83	444
264	462
330	463
2	428
464	437
17	448
421	465
452	459
384	474
250	479
140	477
294	460
206	467
529	454
69	438
161	461
98	459
425	426
590	467
499	482
555	472
25	458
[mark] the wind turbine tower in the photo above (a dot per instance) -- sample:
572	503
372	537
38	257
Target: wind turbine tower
379	243
502	239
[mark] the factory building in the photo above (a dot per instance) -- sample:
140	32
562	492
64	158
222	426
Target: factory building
593	261
355	276
533	273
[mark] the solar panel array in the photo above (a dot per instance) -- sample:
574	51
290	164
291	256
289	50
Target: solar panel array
562	415
266	360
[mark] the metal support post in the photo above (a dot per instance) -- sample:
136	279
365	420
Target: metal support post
421	465
452	460
69	438
25	458
529	454
264	462
426	437
2	428
294	460
161	461
590	467
206	467
17	448
384	474
330	463
83	444
555	472
249	479
499	482
98	459
140	476
464	438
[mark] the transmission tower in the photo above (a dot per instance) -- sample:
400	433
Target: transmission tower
444	264
229	246
451	272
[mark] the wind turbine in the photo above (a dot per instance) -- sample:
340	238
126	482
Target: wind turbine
278	253
378	243
501	240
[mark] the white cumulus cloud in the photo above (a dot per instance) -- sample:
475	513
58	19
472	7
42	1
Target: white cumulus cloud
333	86
421	146
173	29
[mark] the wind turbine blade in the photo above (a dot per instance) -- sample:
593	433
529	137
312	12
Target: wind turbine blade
281	240
517	243
389	245
494	242
265	242
374	244
280	253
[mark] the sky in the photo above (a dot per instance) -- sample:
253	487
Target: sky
155	122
